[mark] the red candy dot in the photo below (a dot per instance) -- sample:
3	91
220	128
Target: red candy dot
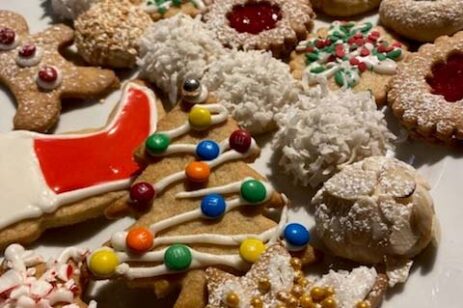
240	141
48	74
27	51
364	52
447	78
396	44
139	239
142	193
254	17
7	36
362	66
354	61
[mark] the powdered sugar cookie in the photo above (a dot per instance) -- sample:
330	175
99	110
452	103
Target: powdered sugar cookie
107	34
422	20
344	8
275	25
349	54
54	180
38	75
426	95
175	49
326	131
253	86
376	210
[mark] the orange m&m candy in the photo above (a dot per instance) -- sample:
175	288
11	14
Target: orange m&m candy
140	239
197	171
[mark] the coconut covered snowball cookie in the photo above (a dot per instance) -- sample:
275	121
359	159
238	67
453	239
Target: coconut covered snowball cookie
275	25
108	32
422	20
344	8
175	49
253	86
375	210
356	55
70	9
328	130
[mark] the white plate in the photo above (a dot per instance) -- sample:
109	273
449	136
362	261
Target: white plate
436	277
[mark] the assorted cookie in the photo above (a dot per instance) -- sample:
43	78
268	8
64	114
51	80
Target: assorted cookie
39	76
275	25
345	8
349	54
422	21
159	9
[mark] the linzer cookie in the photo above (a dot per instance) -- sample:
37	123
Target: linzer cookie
344	8
39	77
198	164
349	54
276	280
28	280
54	180
275	25
426	95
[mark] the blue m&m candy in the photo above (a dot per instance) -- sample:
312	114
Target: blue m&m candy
207	150
296	235
213	206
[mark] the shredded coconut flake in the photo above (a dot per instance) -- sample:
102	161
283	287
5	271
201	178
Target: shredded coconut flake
327	130
174	49
253	86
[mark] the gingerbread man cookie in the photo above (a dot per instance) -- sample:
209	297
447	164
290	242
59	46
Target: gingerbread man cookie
39	77
198	165
54	180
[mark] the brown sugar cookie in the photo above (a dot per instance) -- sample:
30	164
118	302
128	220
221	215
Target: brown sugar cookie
349	54
275	25
159	9
198	204
426	95
345	8
48	181
39	77
29	280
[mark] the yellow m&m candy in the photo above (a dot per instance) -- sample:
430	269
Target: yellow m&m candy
251	249
103	263
200	118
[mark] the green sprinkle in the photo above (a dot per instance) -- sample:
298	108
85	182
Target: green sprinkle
394	54
367	27
162	10
329	49
317	70
312	57
381	57
339	78
177	2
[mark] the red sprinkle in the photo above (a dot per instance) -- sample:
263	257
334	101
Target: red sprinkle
351	40
354	61
362	67
331	58
375	34
396	44
309	49
358	35
319	44
359	41
364	52
381	48
339	50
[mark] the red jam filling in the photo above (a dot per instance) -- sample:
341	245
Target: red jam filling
254	17
447	78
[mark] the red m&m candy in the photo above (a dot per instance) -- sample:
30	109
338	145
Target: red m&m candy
240	140
142	193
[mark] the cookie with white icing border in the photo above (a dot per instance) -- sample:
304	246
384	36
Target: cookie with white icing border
423	21
197	204
426	95
29	280
274	25
39	77
349	54
48	181
345	8
160	9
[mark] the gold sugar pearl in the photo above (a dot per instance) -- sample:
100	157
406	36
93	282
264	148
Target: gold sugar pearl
282	296
363	304
281	306
298	275
264	285
318	294
305	301
329	291
297	290
232	300
296	263
302	282
256	302
292	301
329	302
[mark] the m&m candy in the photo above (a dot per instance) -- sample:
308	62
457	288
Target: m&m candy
103	263
157	143
197	172
207	150
178	257
296	235
200	118
253	191
142	193
139	239
240	140
213	206
251	249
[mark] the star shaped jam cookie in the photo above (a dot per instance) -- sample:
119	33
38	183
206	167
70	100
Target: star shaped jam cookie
38	76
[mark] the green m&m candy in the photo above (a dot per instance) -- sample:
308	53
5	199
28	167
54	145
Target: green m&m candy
157	143
178	257
253	191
